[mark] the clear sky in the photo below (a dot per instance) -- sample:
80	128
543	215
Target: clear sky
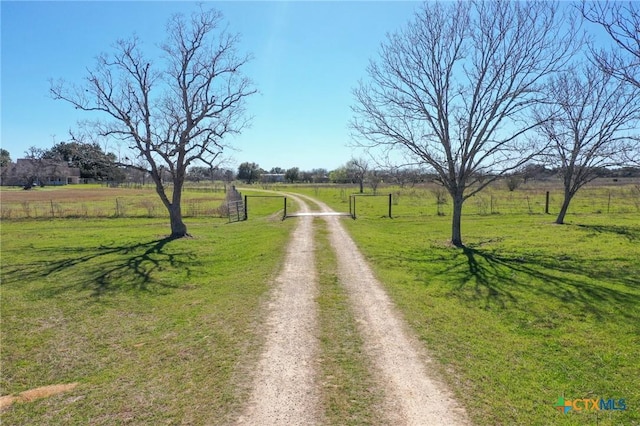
307	58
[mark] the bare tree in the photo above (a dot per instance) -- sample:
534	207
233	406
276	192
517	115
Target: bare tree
594	117
621	20
171	116
513	181
374	178
453	90
357	169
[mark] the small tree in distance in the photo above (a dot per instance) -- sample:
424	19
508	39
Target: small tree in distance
35	173
92	161
453	91
5	162
249	172
169	116
292	175
357	170
594	115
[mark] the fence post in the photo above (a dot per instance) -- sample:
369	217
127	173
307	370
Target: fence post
390	198
246	211
546	204
354	207
284	216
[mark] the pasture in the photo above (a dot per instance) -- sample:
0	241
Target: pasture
154	331
95	201
158	331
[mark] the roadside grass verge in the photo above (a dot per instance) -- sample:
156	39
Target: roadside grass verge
350	393
154	331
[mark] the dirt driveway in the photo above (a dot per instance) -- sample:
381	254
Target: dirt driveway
285	390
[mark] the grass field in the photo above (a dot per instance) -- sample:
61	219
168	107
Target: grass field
528	312
603	197
95	201
155	331
161	332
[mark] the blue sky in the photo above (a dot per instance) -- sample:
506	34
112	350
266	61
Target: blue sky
307	58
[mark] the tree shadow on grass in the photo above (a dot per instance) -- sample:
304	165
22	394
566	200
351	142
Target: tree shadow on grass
103	269
596	287
632	233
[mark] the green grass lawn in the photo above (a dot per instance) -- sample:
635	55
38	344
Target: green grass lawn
162	332
155	331
528	312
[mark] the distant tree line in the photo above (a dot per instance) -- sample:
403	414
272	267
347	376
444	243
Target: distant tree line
93	162
43	165
360	172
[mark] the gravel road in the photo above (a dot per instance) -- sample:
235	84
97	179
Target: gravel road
285	389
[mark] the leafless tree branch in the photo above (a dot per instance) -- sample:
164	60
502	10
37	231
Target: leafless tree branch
454	90
594	120
170	116
621	21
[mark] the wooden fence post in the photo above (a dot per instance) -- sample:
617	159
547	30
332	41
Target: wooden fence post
546	204
354	207
284	216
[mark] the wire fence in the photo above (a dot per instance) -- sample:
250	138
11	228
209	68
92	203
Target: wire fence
117	207
436	201
205	202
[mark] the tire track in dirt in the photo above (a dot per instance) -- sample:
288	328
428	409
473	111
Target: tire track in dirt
412	395
285	389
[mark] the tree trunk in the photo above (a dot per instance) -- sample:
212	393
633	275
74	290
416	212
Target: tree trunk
178	228
361	186
456	231
565	206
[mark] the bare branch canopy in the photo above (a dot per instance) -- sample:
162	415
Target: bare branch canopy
595	118
453	90
174	112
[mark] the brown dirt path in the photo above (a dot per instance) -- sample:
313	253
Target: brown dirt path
285	391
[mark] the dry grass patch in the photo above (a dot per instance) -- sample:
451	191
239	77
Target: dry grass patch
37	393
